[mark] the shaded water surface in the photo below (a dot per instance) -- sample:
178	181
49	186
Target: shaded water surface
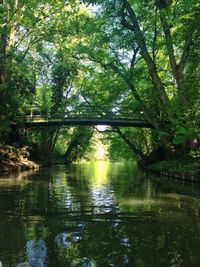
98	214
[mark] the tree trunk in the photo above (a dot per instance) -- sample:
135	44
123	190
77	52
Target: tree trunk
164	103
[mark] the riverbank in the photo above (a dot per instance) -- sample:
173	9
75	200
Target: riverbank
15	159
185	168
17	165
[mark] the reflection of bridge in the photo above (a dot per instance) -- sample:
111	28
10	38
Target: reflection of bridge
46	121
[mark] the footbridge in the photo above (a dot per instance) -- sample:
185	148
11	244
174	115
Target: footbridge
55	120
81	115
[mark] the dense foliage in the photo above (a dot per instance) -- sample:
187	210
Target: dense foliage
132	59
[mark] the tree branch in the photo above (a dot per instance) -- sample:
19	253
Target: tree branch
124	20
132	147
135	53
163	100
34	41
155	36
131	86
186	51
169	42
176	70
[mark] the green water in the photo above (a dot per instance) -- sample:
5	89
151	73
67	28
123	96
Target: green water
98	214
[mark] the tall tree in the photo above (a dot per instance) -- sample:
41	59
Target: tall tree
149	45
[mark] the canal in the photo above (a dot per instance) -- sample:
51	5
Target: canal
98	214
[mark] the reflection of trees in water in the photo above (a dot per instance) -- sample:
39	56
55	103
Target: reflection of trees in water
95	244
110	241
144	241
85	222
36	254
13	177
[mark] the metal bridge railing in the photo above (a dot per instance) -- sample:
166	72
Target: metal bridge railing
75	114
80	111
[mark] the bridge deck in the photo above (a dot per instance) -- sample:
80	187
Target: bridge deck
30	123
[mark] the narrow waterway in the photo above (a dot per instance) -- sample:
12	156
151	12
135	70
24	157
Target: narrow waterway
98	214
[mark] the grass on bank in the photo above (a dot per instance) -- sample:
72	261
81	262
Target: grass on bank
187	166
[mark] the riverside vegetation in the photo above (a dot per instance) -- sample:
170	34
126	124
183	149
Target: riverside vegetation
134	59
